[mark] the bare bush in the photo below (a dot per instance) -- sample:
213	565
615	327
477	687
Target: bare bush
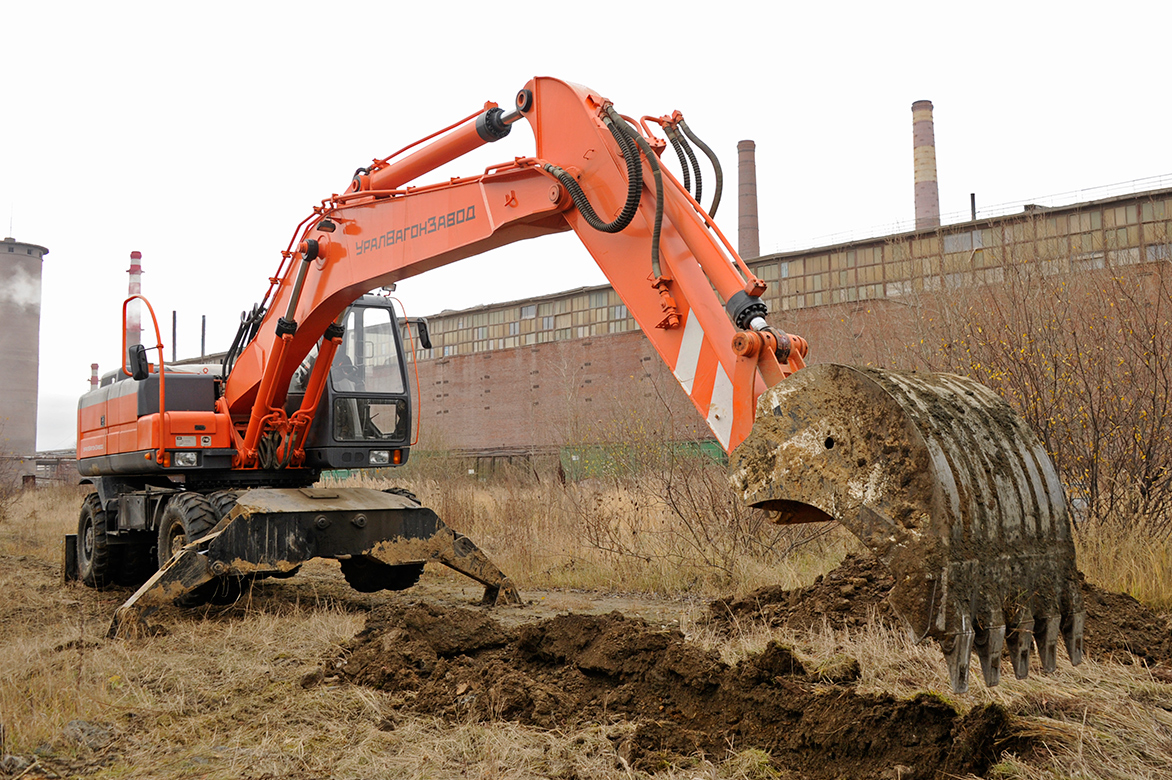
1081	346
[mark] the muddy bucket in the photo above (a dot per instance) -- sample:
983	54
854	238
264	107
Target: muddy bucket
946	485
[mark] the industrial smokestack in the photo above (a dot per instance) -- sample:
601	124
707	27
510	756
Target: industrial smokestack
134	310
93	375
924	142
748	236
20	311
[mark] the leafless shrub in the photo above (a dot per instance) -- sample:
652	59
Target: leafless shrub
1081	346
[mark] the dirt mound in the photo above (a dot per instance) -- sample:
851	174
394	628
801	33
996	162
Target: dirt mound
1118	627
459	664
1121	629
845	598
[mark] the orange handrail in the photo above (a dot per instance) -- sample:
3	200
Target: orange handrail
162	380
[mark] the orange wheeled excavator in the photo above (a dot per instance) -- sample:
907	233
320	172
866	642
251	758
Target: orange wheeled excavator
208	472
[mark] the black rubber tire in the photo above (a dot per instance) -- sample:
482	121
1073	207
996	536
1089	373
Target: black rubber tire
222	502
93	548
187	517
368	575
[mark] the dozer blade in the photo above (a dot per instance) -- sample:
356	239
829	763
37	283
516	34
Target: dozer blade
946	485
273	531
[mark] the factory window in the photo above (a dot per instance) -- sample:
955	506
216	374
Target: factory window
514	328
618	312
528	312
547	323
598	299
481	333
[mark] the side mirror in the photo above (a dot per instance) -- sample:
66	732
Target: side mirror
424	336
140	367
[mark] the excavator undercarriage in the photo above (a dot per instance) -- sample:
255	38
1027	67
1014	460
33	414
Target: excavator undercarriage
382	540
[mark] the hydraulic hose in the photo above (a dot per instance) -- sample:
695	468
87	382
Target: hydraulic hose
683	144
249	325
634	184
674	137
658	175
715	164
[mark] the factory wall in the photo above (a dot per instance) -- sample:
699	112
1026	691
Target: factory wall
572	367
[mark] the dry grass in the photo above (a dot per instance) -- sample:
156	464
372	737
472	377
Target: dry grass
1130	559
219	696
1096	720
620	535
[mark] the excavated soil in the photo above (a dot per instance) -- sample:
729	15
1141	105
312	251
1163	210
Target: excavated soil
459	663
1118	627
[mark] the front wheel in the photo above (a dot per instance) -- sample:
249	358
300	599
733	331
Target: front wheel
189	517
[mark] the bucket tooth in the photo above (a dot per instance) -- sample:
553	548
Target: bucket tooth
1072	627
988	645
1018	639
939	478
956	653
1046	638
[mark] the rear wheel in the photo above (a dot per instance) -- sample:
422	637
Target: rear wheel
93	548
368	575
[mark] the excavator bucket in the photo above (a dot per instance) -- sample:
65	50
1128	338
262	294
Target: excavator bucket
950	490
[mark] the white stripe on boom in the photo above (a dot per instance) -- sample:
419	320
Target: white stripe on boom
689	356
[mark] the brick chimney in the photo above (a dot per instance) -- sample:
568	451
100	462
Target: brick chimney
924	143
134	310
748	236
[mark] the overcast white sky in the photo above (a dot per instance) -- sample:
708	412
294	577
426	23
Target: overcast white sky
201	133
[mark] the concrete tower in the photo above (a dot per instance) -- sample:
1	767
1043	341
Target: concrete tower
20	340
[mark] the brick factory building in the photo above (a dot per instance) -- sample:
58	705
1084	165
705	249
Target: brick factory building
572	367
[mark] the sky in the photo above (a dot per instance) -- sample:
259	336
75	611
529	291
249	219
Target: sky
201	134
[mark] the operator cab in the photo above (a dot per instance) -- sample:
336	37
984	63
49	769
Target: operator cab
364	418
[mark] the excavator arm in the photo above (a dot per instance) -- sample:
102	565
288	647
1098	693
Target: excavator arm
382	231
